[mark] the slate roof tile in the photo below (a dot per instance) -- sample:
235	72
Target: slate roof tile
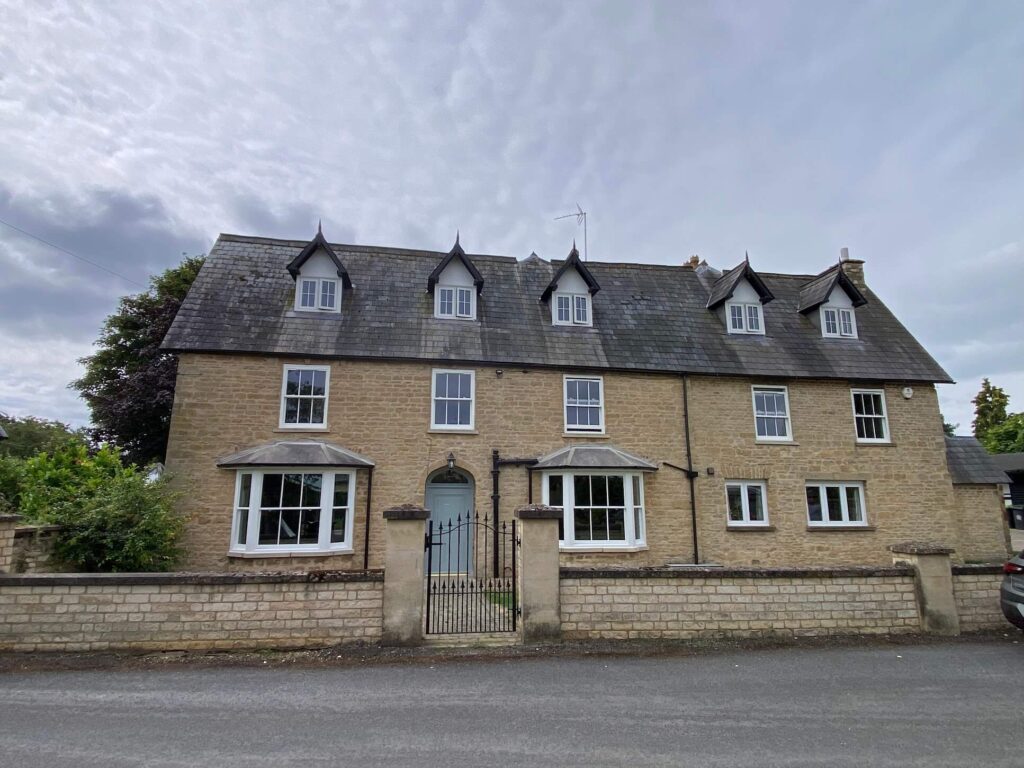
646	318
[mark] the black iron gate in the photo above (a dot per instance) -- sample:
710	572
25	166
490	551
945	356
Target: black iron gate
471	576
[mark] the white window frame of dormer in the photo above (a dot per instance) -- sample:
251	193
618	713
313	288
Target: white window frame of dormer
590	429
458	294
875	419
434	425
318	296
285	396
841	314
575	301
772	415
745	310
248	509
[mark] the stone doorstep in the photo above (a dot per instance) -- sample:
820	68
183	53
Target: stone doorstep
474	640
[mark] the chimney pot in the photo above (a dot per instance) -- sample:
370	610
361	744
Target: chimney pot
694	261
844	254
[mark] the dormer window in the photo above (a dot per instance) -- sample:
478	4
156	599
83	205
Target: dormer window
745	318
838	323
571	309
570	293
319	277
455	302
317	294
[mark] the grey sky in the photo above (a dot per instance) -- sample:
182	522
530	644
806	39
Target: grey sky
132	133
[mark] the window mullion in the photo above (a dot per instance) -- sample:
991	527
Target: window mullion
569	509
327	509
253	523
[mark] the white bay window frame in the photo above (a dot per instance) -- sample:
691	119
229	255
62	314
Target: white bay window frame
634	510
246	514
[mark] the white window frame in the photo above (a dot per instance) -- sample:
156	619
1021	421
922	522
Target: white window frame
789	420
884	416
318	305
840	314
456	291
472	401
745	325
575	428
633	511
747	522
304	426
323	545
573	298
843	486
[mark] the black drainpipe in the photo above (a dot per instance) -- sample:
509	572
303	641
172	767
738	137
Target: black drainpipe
366	533
496	464
690	474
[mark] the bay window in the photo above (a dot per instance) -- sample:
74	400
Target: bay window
293	510
599	509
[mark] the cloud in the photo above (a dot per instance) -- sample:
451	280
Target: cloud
133	132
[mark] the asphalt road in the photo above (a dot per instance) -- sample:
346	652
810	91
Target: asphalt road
929	705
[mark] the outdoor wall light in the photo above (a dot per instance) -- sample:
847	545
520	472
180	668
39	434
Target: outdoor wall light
451	461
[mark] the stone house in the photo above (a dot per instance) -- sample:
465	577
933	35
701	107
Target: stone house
675	414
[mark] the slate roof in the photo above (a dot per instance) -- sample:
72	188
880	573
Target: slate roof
295	453
593	457
1009	462
970	464
646	318
816	292
725	286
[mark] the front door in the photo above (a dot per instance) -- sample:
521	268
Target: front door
449	504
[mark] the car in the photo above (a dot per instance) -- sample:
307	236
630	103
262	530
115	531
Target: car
1011	594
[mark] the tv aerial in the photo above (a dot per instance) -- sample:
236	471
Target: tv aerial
581	218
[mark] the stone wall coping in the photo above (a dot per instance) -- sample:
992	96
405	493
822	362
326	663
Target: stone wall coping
406	512
698	572
978	569
154	579
30	530
538	512
9	518
920	548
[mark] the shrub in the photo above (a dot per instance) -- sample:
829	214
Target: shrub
127	524
11	472
69	475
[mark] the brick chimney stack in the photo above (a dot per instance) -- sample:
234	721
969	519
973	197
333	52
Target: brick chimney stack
854	268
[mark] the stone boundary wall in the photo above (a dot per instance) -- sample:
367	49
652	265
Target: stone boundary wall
736	602
180	611
33	547
976	590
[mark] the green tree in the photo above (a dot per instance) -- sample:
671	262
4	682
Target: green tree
1007	437
29	435
949	429
989	408
129	382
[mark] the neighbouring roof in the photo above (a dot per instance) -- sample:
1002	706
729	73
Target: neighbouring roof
647	318
455	253
571	262
724	287
1009	462
3	434
317	243
816	292
295	453
593	457
970	464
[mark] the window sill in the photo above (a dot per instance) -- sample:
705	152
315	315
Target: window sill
872	444
600	550
303	428
750	528
827	528
759	441
311	553
442	431
590	435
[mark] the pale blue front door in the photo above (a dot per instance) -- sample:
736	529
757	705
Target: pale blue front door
448	503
